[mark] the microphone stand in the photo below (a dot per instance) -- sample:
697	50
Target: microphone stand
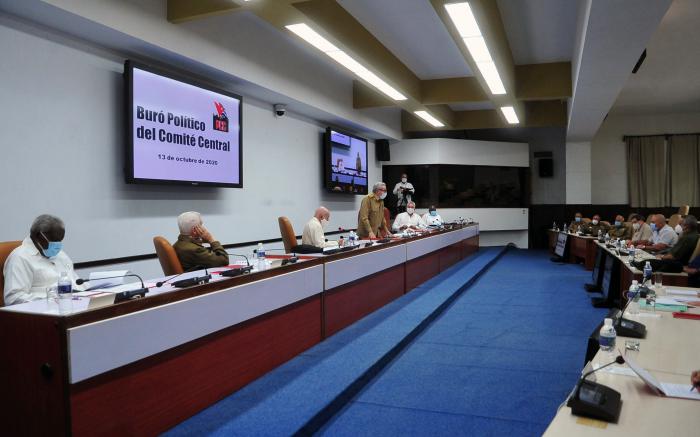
590	399
237	272
122	295
183	283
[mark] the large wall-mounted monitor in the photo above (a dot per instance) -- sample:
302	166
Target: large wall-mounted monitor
345	162
180	131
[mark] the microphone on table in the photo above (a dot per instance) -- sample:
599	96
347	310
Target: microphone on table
182	283
590	399
237	272
629	328
122	295
291	260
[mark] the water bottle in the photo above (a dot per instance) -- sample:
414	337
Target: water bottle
647	272
351	238
633	298
607	335
554	226
261	256
64	289
631	252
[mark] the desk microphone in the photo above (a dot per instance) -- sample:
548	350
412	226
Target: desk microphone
122	295
591	399
197	280
291	260
629	328
237	272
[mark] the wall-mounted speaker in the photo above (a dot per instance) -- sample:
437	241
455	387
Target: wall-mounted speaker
381	150
546	167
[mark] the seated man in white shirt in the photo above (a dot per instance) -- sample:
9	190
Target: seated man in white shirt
432	218
313	230
36	265
663	236
408	219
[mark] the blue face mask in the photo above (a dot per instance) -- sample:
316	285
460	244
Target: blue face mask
653	226
54	247
618	224
433	213
578	219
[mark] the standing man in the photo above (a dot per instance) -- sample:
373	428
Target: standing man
370	220
38	262
313	230
403	191
190	248
408	219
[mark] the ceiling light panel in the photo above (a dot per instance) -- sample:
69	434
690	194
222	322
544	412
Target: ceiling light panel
429	118
463	18
493	79
510	115
312	37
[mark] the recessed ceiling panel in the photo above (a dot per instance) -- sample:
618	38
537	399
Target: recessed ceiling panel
413	32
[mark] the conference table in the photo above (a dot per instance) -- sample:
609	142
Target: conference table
144	365
580	247
670	353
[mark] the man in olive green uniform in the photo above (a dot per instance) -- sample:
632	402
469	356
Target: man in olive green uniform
594	226
190	247
577	224
620	229
684	248
370	220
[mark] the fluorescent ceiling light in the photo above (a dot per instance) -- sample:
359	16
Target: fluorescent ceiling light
429	118
463	18
312	37
493	80
509	114
477	48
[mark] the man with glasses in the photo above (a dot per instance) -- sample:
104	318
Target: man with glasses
370	220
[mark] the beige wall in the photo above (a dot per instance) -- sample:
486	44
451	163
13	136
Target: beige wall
609	156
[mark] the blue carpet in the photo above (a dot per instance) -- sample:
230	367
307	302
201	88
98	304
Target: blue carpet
284	400
498	362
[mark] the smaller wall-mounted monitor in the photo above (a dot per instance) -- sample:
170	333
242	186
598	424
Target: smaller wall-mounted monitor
345	162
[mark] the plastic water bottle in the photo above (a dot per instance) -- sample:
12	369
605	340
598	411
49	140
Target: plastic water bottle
633	297
631	252
607	336
261	256
647	271
554	226
351	238
64	289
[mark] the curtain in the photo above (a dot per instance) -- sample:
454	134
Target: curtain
647	175
684	158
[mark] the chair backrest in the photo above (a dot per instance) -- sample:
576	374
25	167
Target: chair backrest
629	217
167	256
586	220
6	247
684	210
649	219
289	238
605	223
674	220
696	253
387	217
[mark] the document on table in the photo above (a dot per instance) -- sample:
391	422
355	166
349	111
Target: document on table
668	389
677	291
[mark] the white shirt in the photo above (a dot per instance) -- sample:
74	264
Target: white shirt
432	220
28	273
313	234
404	219
399	193
678	229
666	235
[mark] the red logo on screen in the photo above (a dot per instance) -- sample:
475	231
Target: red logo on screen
220	118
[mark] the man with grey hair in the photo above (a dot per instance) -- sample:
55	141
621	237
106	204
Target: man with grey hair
663	236
36	265
682	251
313	230
370	220
408	219
190	248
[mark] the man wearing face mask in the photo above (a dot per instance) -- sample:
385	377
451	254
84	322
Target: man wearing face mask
37	264
370	220
577	224
403	191
663	236
594	226
432	218
642	231
190	248
313	230
620	230
408	219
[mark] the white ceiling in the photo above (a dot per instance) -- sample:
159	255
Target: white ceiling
669	80
540	31
413	32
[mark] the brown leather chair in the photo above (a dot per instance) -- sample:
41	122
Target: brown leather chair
289	238
696	252
674	220
387	217
5	248
605	223
167	256
649	219
684	210
586	220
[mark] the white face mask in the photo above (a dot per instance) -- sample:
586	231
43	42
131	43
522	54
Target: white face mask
635	226
404	180
324	222
410	210
595	222
383	195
